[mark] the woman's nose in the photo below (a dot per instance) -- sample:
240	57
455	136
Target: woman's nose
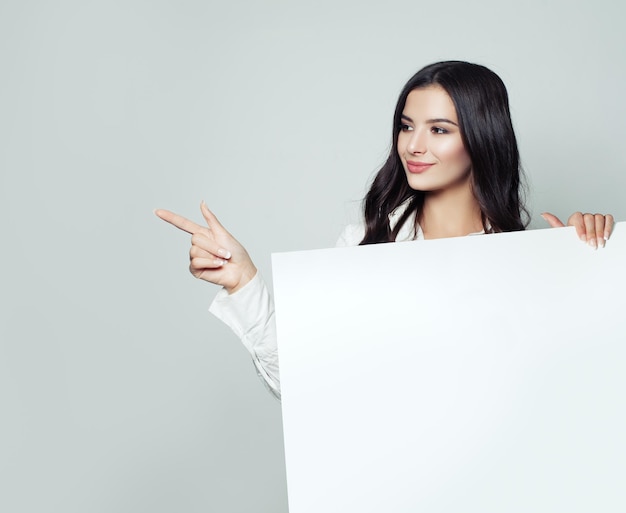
417	143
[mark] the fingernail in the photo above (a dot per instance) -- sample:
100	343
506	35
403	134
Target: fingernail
593	243
224	253
219	261
601	243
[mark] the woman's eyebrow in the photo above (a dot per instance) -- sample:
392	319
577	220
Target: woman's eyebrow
441	120
430	121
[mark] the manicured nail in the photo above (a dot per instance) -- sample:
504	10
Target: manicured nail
219	262
600	243
224	253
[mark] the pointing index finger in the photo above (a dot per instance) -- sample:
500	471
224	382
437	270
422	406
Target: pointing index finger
180	222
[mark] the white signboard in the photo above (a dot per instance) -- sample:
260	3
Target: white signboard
483	373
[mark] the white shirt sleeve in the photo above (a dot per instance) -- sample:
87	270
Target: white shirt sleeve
249	312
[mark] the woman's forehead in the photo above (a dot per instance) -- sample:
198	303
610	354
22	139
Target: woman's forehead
431	102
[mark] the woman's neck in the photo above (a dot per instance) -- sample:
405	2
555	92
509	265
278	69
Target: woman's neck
450	213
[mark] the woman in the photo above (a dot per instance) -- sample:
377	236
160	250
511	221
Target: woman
453	170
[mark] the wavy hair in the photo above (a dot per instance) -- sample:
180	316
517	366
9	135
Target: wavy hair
482	108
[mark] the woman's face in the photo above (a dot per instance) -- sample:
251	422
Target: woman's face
429	143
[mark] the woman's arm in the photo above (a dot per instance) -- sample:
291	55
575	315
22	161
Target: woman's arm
249	312
244	303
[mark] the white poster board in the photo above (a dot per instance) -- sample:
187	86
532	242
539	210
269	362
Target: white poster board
481	374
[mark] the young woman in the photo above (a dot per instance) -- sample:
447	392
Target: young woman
453	170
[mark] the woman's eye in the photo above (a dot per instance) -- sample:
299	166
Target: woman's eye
405	128
438	130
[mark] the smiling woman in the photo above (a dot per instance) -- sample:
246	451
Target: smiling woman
430	146
453	170
454	115
434	157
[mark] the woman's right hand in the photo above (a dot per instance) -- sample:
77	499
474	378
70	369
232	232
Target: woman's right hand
215	255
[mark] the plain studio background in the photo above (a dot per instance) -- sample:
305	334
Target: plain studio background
118	391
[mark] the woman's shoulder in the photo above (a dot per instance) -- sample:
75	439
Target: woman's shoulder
351	235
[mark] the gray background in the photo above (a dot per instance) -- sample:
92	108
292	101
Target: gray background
118	392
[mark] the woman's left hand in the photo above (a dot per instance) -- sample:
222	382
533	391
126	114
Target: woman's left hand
594	229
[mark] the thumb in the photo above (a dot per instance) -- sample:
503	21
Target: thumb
210	218
552	220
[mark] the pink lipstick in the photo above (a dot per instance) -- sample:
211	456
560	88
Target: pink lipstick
417	167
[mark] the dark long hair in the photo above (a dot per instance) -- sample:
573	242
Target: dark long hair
482	108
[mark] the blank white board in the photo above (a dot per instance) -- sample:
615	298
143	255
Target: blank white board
483	373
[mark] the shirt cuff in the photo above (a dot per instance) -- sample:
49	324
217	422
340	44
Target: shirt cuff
246	310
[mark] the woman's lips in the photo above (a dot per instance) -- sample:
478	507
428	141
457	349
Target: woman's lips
417	167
